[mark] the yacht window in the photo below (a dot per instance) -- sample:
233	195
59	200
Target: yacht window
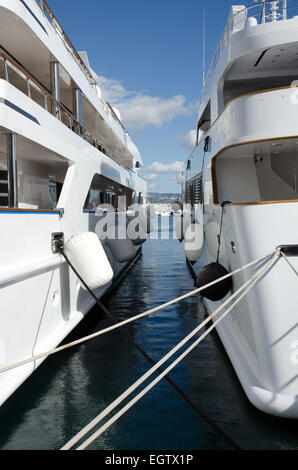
205	119
40	174
141	199
256	172
106	191
55	189
3	187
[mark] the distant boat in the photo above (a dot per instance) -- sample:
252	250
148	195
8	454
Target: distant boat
165	213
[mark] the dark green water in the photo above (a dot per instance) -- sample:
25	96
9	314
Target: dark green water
73	386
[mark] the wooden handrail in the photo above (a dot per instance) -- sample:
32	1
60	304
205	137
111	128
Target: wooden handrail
254	203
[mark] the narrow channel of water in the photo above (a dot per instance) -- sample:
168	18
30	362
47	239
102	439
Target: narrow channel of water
73	386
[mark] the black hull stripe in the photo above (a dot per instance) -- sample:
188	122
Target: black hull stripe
261	57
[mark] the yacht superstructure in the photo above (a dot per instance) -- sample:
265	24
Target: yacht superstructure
63	152
246	159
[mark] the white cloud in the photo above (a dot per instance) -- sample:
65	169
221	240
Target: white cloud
157	167
188	140
150	176
144	110
177	178
139	109
112	89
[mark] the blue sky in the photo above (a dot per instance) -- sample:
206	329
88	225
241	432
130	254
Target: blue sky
148	55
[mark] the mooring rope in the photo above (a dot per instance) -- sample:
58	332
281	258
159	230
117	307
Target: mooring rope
152	362
223	204
245	287
289	263
118	324
131	319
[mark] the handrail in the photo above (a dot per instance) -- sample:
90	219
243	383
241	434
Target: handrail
56	25
115	115
273	16
72	123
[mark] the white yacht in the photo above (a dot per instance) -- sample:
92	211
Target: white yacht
247	158
63	152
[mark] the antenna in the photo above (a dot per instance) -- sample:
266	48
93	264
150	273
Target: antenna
263	14
204	44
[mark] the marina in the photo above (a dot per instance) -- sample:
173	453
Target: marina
70	388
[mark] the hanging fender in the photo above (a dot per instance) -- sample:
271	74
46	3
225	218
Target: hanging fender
210	273
194	242
87	255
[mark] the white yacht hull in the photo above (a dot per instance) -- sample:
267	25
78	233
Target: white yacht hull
260	333
41	298
246	160
55	132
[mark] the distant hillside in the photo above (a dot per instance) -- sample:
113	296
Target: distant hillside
162	198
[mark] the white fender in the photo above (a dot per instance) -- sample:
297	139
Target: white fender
117	240
145	220
176	206
179	229
121	249
145	213
150	210
106	226
135	230
147	224
88	257
194	241
138	241
212	230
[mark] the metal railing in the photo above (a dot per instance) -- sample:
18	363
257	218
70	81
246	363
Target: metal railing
58	28
48	13
12	72
114	115
263	12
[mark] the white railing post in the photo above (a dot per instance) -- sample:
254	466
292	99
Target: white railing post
55	87
77	105
6	71
263	11
12	172
28	88
285	9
